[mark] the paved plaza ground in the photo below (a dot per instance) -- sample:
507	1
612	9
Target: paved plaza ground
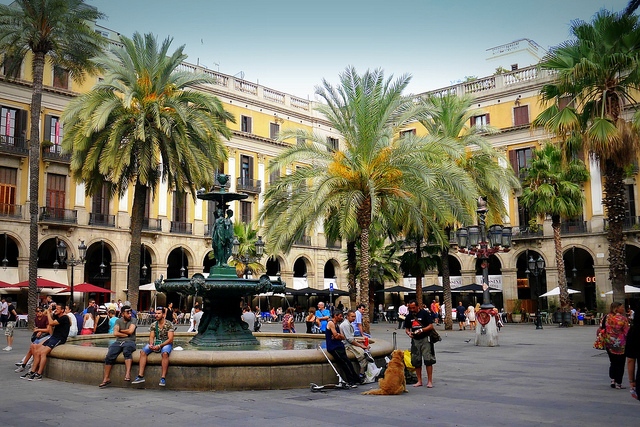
552	376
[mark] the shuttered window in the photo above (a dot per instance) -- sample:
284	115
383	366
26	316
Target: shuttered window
274	130
481	120
245	124
60	78
8	177
56	193
245	211
521	115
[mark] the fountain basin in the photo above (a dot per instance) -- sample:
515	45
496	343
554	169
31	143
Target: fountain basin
205	370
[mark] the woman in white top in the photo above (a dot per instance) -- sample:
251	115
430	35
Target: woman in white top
471	315
88	323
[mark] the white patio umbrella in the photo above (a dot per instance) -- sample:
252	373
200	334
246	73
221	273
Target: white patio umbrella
556	291
628	289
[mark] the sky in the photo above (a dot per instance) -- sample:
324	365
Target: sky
291	45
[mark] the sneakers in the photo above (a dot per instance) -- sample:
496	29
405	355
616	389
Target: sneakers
19	363
27	375
35	377
7	348
633	393
162	382
138	380
20	368
369	357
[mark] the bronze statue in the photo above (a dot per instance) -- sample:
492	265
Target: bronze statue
222	237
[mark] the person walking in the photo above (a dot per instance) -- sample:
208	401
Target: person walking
12	317
288	322
616	326
460	316
471	315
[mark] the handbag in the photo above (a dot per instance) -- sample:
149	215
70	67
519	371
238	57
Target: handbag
601	337
434	336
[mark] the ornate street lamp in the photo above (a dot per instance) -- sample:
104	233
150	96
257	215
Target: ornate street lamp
61	250
536	268
477	241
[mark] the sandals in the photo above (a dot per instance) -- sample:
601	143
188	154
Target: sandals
619	387
127	379
613	383
104	384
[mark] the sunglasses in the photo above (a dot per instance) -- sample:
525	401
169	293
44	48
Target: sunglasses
159	308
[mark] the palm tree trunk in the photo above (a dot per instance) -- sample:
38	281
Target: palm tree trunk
562	276
446	287
137	216
352	262
34	184
419	272
364	221
613	201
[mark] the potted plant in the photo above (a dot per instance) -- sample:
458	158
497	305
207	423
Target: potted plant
517	311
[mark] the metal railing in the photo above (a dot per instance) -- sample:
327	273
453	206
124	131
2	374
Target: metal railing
574	227
180	227
59	215
104	220
152	224
527	233
249	185
334	245
13	144
54	152
9	210
207	229
303	241
628	223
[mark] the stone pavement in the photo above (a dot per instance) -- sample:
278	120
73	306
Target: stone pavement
553	376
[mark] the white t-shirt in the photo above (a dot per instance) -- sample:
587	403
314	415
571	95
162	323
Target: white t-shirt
5	309
73	329
196	317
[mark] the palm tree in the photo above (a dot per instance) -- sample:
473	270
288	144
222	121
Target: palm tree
56	31
374	174
333	231
554	187
246	262
144	124
596	74
447	119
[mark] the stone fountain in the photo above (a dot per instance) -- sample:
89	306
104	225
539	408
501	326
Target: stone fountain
222	290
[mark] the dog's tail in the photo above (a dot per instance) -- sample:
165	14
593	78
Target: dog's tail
377	391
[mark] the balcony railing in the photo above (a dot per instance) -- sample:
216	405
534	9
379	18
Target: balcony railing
14	145
152	224
180	227
248	185
629	223
207	229
574	227
54	152
64	216
303	241
527	233
103	220
11	211
334	245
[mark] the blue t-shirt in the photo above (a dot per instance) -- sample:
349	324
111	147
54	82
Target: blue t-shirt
323	313
112	323
356	328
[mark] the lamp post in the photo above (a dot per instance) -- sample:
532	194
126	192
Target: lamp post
5	261
246	259
475	240
62	255
536	268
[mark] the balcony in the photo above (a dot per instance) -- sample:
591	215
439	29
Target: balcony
54	153
102	220
58	215
525	233
334	245
207	229
14	145
574	227
10	211
152	224
630	223
303	241
248	185
180	227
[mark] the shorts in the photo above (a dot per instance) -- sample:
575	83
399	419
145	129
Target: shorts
165	349
422	349
8	331
125	347
53	342
42	340
86	331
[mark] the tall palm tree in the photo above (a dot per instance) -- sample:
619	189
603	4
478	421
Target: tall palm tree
247	236
448	118
334	231
597	72
554	187
373	172
144	124
56	31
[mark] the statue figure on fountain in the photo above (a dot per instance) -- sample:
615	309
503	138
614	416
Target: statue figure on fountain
222	237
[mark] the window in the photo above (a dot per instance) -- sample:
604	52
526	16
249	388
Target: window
245	124
53	133
523	215
521	115
101	201
11	66
481	120
514	67
245	212
56	194
60	78
520	160
8	178
407	132
563	102
179	206
332	143
274	130
13	124
274	176
630	201
147	202
246	169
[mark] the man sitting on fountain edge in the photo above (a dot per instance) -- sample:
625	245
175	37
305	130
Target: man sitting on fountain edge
160	341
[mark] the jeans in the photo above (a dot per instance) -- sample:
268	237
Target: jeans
341	358
616	366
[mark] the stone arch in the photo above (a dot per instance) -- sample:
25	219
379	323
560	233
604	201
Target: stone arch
10	249
302	267
179	258
579	265
529	286
97	270
274	265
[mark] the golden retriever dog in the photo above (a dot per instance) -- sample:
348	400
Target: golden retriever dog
394	381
